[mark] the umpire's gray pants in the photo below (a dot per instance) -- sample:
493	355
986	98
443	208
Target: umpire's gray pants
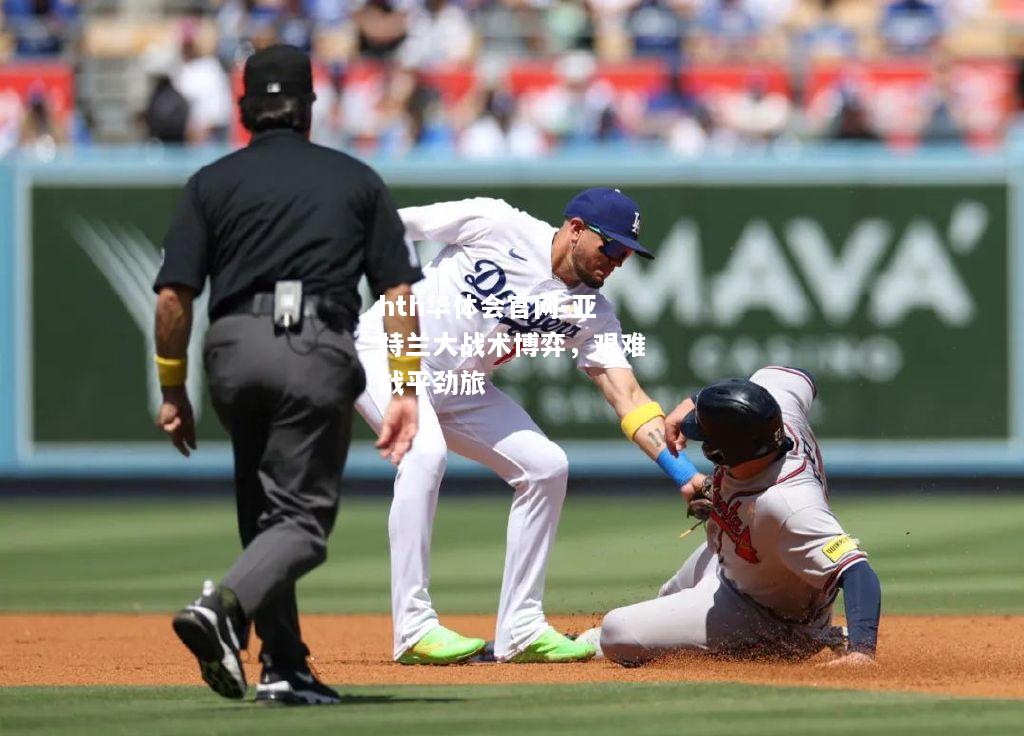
286	401
697	610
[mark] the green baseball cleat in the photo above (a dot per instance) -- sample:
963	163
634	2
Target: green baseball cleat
554	647
441	646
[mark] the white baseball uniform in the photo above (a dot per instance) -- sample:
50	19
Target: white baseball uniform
494	253
768	574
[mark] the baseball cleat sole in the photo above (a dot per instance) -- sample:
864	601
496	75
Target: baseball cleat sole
283	693
219	666
461	658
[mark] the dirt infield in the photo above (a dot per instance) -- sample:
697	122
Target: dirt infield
979	656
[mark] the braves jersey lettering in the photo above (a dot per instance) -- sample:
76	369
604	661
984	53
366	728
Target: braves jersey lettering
727	517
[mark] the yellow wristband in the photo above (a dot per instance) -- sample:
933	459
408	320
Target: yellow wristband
404	365
639	416
172	371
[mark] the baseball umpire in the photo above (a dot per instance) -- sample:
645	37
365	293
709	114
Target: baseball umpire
283	229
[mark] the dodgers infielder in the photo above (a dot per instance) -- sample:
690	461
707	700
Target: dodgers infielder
775	556
499	254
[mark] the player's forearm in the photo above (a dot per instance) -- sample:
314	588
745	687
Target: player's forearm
173	321
862	596
643	422
650	437
619	388
398	318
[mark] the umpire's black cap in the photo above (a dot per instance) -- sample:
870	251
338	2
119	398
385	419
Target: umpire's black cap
279	70
737	420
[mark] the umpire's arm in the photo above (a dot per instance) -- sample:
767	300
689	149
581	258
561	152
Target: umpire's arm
173	328
180	278
391	268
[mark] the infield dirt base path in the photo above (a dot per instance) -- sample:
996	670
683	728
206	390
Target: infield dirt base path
957	655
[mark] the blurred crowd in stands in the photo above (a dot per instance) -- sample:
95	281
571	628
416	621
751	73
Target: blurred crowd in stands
521	78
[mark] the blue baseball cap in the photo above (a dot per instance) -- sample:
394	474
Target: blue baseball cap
611	212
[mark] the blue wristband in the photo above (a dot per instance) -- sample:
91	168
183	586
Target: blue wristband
679	469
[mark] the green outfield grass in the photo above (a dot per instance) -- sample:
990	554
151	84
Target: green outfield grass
941	554
704	709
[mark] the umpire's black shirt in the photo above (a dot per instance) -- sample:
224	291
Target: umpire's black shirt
283	208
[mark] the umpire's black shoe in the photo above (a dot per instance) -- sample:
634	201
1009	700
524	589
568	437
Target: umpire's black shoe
294	687
210	628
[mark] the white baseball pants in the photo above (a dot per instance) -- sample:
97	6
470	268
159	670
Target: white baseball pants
495	431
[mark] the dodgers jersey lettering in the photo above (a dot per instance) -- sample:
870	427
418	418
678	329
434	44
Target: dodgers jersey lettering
496	252
776	539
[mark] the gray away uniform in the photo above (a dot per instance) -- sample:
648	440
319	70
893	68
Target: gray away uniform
765	580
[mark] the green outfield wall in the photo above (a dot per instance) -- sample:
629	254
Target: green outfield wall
892	282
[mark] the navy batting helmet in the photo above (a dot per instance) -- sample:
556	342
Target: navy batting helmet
737	420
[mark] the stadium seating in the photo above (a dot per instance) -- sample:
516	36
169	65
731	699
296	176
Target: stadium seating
805	54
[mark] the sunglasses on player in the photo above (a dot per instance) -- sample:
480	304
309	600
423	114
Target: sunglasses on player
612	249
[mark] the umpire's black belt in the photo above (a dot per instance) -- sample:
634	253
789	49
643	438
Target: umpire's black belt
326	310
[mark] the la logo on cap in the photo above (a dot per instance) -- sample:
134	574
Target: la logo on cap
636	224
273	88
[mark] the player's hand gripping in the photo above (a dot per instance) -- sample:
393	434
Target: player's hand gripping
674	439
176	419
697	494
398	428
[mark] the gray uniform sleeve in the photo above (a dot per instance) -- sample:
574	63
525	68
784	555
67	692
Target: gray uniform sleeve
813	545
793	388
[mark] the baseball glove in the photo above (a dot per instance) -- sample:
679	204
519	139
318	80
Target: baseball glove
699	506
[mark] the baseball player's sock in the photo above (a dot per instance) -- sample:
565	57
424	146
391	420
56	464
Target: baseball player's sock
554	647
441	646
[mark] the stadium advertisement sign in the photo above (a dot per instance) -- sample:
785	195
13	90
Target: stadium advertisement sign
887	295
896	297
